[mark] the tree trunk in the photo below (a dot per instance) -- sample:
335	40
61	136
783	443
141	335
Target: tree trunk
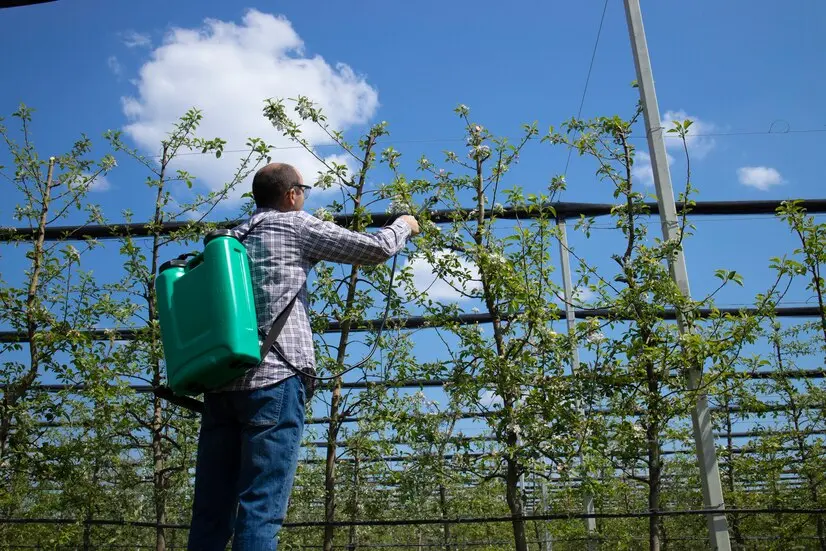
654	473
158	476
87	532
330	468
515	500
821	526
443	509
158	457
335	403
735	518
652	433
335	424
12	395
90	503
354	505
813	266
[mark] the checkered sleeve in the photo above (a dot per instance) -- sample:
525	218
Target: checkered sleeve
325	241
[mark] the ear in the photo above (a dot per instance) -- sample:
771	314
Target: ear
289	200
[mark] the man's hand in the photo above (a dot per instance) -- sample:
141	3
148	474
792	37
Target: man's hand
411	221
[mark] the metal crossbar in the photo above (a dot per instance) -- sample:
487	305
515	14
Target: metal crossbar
441	521
561	210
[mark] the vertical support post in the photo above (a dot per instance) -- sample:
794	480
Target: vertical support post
547	544
568	289
700	416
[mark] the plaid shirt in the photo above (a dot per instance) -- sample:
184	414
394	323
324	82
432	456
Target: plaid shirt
283	247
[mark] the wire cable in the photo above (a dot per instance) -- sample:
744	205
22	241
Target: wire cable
588	77
447	521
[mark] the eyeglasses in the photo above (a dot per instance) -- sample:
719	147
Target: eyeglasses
305	189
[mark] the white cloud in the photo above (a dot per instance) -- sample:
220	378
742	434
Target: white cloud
426	279
697	140
133	39
227	70
176	208
114	66
583	295
642	170
489	399
759	177
101	183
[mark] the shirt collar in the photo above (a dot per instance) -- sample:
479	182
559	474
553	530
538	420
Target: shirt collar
259	210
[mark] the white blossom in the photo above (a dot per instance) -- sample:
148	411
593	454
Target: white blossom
479	152
515	428
323	214
595	337
496	258
546	331
397	207
72	253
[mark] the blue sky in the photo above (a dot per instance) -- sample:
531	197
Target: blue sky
740	69
734	66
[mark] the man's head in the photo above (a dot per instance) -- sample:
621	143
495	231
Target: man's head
279	186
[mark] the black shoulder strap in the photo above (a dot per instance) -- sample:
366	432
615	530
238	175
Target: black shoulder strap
276	328
249	230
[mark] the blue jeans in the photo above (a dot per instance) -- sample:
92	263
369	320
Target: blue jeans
247	456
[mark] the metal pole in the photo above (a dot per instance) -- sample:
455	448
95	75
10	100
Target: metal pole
547	545
570	316
700	417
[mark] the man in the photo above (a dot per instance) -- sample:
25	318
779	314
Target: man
251	429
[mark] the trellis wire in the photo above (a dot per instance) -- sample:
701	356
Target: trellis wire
440	521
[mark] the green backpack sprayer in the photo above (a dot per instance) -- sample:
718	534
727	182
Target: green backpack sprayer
206	310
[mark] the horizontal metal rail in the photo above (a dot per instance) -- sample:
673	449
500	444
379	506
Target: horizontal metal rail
483	438
791	374
563	210
745	450
419	322
768	408
441	521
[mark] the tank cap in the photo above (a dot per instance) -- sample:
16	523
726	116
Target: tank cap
174	263
218	233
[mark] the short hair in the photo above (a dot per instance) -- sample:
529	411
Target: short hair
272	182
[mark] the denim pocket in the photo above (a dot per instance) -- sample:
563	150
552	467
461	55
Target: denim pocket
263	405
